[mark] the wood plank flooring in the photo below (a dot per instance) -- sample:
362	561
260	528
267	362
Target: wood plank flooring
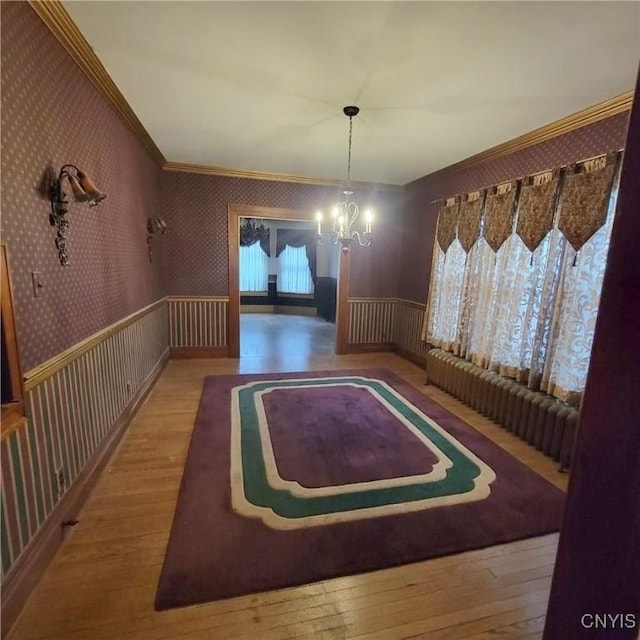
102	583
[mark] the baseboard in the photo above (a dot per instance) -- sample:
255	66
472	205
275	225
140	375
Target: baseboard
421	361
26	572
257	308
279	308
294	310
180	353
369	348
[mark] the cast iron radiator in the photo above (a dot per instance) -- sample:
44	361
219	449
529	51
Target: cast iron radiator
543	421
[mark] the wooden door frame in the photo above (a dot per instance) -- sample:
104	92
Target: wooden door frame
237	211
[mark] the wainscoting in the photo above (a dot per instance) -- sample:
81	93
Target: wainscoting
77	406
371	323
198	327
408	331
385	324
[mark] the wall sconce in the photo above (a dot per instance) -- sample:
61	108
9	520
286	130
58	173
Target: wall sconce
154	225
84	190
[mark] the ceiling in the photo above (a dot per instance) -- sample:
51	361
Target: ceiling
260	86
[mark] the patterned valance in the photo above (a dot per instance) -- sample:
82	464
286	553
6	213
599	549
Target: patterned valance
469	220
298	238
447	223
536	208
499	214
585	199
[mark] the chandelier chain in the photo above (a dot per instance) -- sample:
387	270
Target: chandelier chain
349	156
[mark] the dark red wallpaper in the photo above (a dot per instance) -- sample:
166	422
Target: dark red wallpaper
421	212
195	208
52	115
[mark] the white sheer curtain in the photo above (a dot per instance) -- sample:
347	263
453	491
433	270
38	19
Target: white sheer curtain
254	268
526	314
294	275
447	280
578	296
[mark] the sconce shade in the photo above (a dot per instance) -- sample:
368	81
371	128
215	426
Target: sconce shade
156	225
94	194
79	194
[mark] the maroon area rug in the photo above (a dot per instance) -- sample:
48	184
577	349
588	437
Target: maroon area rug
336	473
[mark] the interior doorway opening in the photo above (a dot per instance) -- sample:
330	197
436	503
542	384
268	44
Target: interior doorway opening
283	287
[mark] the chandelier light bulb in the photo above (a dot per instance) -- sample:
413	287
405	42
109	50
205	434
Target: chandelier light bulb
368	219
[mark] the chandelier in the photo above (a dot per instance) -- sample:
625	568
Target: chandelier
345	213
251	233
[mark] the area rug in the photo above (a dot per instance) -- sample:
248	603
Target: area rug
294	478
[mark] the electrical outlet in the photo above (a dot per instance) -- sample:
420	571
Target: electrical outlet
61	481
128	388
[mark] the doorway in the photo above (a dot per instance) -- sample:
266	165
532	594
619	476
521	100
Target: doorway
281	331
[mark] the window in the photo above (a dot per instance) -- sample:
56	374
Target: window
516	290
294	275
254	268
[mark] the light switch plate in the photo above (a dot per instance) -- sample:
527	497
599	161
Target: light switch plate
36	277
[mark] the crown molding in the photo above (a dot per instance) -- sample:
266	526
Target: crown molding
276	177
60	23
583	118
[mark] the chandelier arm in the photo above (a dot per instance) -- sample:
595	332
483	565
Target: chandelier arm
363	241
352	212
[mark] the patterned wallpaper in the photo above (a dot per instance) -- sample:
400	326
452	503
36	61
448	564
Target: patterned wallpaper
421	212
195	208
51	115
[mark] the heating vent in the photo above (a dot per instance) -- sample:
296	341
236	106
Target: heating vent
543	421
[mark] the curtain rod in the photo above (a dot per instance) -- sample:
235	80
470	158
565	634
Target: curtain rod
529	175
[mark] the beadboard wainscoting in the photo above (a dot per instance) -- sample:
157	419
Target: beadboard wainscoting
386	324
371	323
77	406
198	326
408	331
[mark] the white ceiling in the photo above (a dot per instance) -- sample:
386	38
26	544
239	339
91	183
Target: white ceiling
260	86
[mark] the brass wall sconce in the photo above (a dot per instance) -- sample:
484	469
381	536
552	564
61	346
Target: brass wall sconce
154	225
83	189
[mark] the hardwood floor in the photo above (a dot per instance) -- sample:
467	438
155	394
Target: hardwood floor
274	336
102	583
